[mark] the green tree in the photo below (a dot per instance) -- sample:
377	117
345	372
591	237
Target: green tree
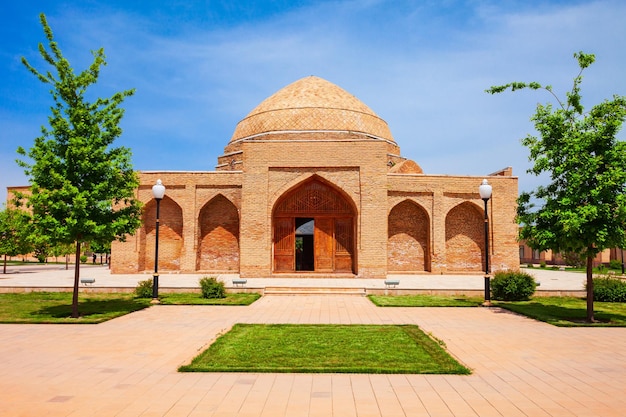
14	233
584	205
101	247
82	187
63	249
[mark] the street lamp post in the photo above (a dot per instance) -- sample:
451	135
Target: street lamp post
158	191
485	194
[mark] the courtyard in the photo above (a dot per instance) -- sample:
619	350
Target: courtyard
128	366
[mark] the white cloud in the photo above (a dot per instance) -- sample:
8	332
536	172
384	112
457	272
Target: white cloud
421	66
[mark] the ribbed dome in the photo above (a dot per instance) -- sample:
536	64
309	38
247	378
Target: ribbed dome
311	104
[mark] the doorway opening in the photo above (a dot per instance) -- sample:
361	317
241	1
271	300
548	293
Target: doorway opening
305	246
314	230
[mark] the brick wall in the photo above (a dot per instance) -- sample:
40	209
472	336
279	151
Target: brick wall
218	249
408	248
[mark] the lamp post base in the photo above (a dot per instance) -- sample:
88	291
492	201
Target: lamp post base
155	289
487	302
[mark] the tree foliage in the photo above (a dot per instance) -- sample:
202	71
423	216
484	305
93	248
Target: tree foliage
82	187
584	205
15	230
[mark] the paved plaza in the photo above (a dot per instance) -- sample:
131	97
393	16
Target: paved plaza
127	366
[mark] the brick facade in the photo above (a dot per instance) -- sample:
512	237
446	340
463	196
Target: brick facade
385	214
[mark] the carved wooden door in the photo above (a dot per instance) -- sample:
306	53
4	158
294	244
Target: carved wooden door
323	240
284	244
344	236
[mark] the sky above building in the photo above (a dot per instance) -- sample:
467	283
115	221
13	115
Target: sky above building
198	67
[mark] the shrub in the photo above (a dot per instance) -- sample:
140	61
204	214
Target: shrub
83	259
212	288
610	290
615	264
144	289
512	286
542	264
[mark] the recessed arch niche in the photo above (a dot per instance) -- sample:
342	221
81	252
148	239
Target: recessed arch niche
170	235
314	229
218	237
408	240
465	241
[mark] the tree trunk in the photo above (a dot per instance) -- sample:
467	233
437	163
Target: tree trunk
5	263
76	280
590	318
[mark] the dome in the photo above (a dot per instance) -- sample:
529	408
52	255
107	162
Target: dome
311	104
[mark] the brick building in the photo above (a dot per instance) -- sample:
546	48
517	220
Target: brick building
312	183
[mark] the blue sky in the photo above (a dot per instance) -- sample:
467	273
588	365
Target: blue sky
199	67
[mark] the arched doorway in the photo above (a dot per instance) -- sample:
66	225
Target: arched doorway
314	230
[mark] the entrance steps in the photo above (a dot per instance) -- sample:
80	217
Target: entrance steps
314	291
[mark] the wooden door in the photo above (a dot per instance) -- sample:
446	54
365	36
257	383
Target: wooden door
344	236
323	241
284	244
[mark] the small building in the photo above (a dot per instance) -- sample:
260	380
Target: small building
312	183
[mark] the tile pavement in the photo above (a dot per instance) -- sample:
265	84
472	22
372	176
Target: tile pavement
127	366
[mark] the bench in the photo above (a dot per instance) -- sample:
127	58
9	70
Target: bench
239	281
87	281
392	282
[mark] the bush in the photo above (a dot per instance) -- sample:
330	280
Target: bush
144	289
512	286
610	290
83	259
542	264
615	264
212	288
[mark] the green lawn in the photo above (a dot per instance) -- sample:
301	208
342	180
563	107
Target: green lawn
559	311
233	299
327	349
568	311
424	301
56	307
46	307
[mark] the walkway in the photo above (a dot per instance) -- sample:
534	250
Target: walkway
55	276
127	366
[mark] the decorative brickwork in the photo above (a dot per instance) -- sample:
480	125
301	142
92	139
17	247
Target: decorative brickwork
314	153
465	240
218	249
170	235
408	247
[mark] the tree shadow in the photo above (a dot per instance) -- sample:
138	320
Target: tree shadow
564	316
94	308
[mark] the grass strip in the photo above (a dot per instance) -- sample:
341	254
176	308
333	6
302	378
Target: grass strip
420	300
47	307
232	299
314	348
568	311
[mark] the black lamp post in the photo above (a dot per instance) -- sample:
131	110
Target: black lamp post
485	193
158	191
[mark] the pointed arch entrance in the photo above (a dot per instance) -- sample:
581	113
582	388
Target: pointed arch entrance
314	230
